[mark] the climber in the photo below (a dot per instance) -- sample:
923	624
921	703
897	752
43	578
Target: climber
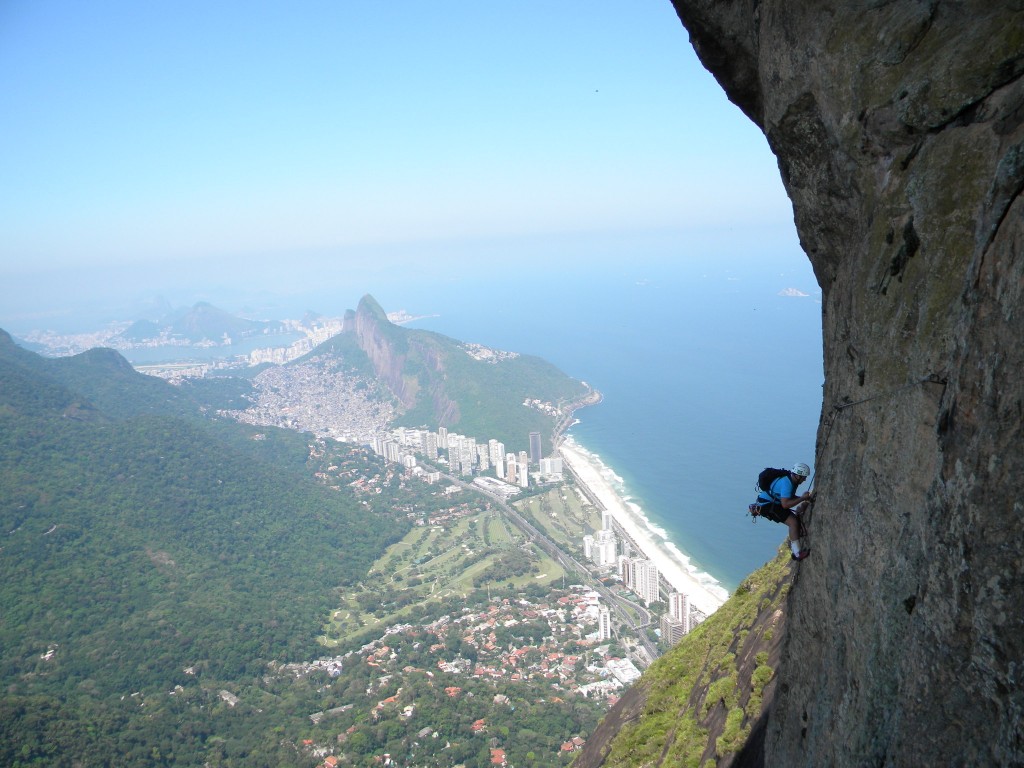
777	501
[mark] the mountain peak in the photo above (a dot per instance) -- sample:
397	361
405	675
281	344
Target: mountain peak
106	358
435	381
369	306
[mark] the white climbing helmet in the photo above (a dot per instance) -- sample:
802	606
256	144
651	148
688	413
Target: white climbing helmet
801	469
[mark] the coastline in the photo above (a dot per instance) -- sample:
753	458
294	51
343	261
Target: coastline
704	591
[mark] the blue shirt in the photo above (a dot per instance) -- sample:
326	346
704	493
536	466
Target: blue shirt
782	488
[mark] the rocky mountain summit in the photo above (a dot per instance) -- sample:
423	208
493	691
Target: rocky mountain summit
389	348
439	381
899	132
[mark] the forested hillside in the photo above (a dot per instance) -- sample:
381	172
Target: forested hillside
144	547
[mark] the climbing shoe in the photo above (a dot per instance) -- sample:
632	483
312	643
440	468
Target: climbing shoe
804	554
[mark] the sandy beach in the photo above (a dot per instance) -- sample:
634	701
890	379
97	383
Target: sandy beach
705	593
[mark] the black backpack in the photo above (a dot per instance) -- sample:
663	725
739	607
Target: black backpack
768	476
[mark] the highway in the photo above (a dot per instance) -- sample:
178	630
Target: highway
630	614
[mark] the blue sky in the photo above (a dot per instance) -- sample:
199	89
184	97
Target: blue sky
275	137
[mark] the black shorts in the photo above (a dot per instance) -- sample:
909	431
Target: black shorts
775	512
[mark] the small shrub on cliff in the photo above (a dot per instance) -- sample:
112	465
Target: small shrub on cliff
733	735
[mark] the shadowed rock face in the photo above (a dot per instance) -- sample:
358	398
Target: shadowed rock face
899	132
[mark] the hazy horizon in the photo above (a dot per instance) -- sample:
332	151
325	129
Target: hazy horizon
246	155
285	286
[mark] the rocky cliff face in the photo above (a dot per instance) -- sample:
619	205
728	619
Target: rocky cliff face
899	132
411	369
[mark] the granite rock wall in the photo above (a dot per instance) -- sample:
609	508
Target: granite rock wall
899	132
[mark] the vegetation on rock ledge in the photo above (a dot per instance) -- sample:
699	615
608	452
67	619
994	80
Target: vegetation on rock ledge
699	703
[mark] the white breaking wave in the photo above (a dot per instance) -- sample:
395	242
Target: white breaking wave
704	590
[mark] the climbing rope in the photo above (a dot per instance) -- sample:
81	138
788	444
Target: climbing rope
931	378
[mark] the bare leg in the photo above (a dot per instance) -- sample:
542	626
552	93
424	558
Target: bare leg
794	527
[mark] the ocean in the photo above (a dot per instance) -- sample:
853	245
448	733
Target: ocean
710	367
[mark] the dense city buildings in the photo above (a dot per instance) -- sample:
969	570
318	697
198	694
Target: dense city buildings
469	458
641	576
308	397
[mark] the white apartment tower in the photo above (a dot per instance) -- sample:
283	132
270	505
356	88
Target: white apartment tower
671	630
496	451
679	609
604	623
604	549
646	579
466	456
551	466
524	469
